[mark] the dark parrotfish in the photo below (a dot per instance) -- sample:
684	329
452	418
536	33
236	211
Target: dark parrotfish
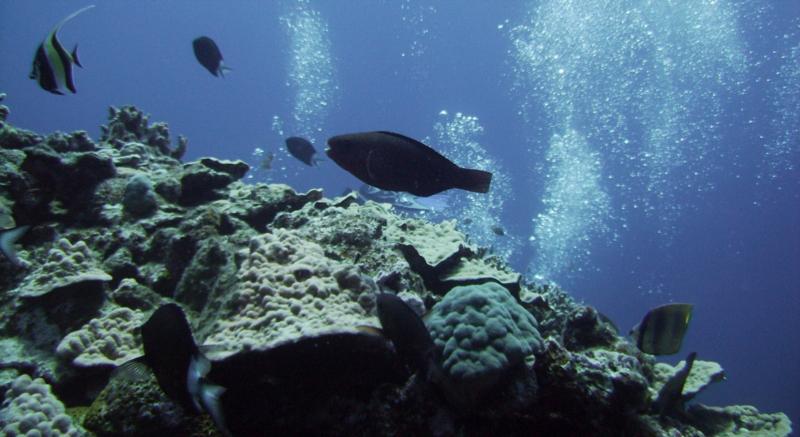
303	150
52	64
662	329
209	56
179	365
7	239
408	334
394	162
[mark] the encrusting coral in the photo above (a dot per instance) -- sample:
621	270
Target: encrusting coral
282	285
31	409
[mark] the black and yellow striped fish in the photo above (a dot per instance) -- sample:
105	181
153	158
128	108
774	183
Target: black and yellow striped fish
52	64
662	329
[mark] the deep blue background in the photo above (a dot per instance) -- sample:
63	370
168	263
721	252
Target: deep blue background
736	254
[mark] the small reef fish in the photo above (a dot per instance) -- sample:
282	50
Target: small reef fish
670	400
7	239
394	162
209	56
52	64
398	200
179	365
408	334
266	163
303	150
662	329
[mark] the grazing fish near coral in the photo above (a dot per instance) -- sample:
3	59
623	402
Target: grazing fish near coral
209	56
179	365
303	150
394	162
662	329
52	64
408	333
401	201
7	239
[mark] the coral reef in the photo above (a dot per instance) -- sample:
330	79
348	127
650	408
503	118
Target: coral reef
280	285
30	409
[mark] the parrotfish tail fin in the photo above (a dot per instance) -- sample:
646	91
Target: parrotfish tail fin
474	180
74	55
69	17
7	239
211	394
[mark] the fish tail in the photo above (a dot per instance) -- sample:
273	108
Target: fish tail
7	239
211	404
474	180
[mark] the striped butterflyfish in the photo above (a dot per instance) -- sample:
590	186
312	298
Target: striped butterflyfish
662	329
52	64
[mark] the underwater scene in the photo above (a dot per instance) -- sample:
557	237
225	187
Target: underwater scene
400	218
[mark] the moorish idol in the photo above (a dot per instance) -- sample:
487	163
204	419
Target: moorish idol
52	64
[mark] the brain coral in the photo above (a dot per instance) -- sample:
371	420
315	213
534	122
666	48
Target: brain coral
482	330
31	409
287	289
107	340
67	264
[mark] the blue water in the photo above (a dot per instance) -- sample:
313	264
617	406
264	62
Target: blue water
644	151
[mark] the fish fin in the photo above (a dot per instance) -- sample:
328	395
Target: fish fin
477	181
74	56
371	330
69	17
134	370
223	69
210	394
7	239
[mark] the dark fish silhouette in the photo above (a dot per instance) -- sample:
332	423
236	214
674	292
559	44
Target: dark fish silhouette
394	162
408	334
7	239
52	64
178	364
303	150
662	329
209	56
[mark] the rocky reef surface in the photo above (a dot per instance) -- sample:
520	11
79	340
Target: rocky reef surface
280	285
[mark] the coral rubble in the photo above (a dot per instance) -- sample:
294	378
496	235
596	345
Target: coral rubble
279	286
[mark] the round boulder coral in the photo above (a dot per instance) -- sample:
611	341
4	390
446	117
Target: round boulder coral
481	329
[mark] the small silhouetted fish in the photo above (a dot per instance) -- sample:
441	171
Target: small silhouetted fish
7	239
52	64
394	162
408	333
178	364
498	230
209	56
303	150
662	329
266	163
